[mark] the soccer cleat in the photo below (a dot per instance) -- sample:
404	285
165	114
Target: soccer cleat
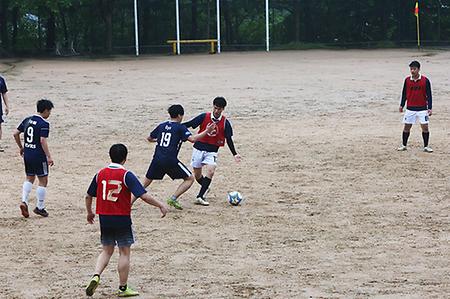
127	293
201	201
427	149
402	148
24	210
92	286
41	212
174	203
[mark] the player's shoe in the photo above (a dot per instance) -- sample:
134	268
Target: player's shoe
174	203
24	210
127	293
1	149
427	149
92	286
402	148
201	201
41	212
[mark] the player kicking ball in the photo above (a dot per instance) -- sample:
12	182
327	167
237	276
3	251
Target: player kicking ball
113	186
169	136
417	97
36	156
205	153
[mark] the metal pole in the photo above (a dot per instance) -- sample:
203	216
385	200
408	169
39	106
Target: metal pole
218	26
178	26
267	26
136	27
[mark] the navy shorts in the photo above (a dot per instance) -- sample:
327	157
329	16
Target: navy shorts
174	169
36	167
120	236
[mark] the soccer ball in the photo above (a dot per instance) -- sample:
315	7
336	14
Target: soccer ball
234	198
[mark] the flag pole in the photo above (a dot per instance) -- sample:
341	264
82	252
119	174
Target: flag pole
416	12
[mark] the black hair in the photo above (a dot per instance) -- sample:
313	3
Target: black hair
175	110
118	153
220	102
43	105
415	63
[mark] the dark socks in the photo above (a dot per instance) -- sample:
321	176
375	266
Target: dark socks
205	185
123	288
426	137
405	138
200	180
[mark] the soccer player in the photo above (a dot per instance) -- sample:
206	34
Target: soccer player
169	136
36	156
419	102
4	96
205	150
113	186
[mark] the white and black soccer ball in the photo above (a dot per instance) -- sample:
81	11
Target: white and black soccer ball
234	198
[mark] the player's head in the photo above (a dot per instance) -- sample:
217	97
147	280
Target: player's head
219	104
118	153
414	67
44	107
176	112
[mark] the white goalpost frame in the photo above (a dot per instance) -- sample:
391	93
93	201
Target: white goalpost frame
218	25
177	13
136	27
267	27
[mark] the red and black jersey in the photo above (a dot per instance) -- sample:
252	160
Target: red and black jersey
113	196
417	94
216	137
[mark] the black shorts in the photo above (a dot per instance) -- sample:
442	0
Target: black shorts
174	169
120	236
36	167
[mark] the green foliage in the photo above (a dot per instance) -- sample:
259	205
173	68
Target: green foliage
107	26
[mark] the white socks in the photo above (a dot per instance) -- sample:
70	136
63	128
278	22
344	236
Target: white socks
40	195
26	189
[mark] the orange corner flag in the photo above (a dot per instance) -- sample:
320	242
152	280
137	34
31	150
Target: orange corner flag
416	9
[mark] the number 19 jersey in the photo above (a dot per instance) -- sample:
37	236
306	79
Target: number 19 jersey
169	136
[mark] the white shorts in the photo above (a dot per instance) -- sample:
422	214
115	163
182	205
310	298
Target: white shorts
200	158
410	117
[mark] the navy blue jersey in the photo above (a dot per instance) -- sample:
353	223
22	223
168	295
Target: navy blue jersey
169	136
33	128
197	121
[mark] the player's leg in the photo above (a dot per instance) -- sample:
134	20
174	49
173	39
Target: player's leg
196	163
125	239
179	171
409	118
26	190
41	192
102	262
209	173
426	138
1	148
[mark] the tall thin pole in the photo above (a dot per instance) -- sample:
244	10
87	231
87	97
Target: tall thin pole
416	13
218	26
178	26
136	27
267	26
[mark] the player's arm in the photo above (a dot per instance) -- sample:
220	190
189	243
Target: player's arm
153	137
139	191
18	142
195	122
230	143
195	137
6	100
46	150
429	97
91	193
403	100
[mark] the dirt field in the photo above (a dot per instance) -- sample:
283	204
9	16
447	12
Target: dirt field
332	210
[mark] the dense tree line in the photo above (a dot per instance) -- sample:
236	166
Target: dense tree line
107	26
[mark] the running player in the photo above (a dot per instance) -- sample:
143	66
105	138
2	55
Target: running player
36	156
169	136
113	186
205	150
417	96
4	96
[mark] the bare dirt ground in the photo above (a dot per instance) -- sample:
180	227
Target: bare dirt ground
332	210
